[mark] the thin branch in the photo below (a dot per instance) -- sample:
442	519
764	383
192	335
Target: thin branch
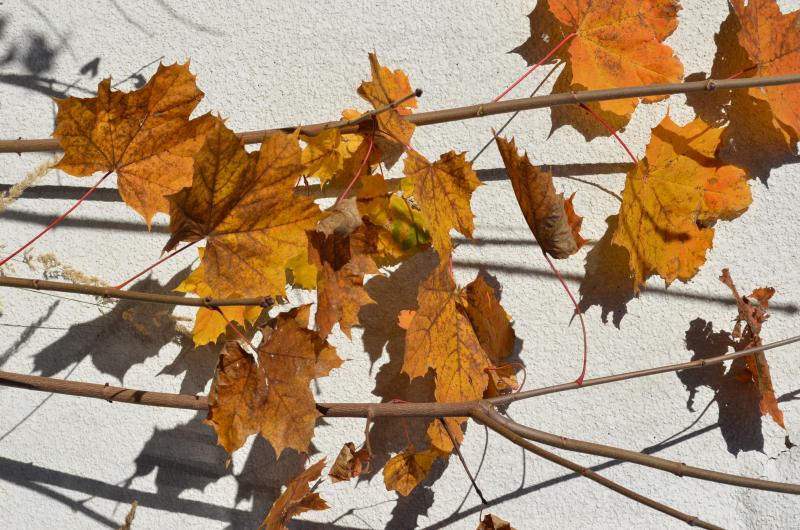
463	461
512	436
110	292
700	363
676	468
483	109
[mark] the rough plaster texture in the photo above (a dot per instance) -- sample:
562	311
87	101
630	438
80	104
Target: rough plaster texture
68	462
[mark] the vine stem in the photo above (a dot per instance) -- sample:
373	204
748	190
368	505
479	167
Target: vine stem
154	265
579	380
58	220
110	292
534	67
610	129
482	109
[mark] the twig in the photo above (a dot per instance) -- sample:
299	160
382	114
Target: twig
676	468
110	292
512	436
463	461
367	116
483	109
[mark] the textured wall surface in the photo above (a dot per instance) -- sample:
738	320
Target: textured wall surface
69	462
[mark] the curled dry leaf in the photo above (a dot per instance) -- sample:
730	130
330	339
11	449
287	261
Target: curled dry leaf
341	263
272	397
145	136
619	43
492	522
209	324
443	190
350	463
245	207
673	198
296	499
404	471
752	314
761	22
552	220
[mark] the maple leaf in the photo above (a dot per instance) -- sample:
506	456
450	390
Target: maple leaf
341	263
772	42
386	87
349	463
272	397
296	499
443	190
753	313
405	470
209	324
245	206
551	219
332	156
402	229
303	274
440	439
490	321
672	199
619	43
145	136
441	337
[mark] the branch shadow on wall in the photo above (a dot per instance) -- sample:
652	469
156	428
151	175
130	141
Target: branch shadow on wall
737	402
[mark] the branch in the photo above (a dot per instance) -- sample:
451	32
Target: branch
509	434
483	109
676	468
110	292
700	363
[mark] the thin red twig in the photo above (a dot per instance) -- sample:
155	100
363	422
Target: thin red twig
612	131
57	221
154	265
579	380
534	67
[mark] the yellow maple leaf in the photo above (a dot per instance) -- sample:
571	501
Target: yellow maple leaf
672	199
272	397
296	499
619	43
443	190
440	439
405	470
209	324
441	337
145	136
245	206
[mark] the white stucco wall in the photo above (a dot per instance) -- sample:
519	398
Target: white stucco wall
69	462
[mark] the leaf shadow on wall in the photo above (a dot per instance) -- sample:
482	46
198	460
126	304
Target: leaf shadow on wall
750	141
546	33
129	334
737	402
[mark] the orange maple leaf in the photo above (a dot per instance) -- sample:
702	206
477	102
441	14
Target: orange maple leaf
272	397
341	262
245	206
296	499
772	42
673	198
209	324
405	470
441	337
145	136
619	43
439	437
443	190
552	220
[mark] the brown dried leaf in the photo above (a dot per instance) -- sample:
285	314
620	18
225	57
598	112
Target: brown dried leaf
350	463
492	522
296	499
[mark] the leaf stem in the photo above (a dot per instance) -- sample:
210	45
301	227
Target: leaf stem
579	380
608	127
483	109
58	220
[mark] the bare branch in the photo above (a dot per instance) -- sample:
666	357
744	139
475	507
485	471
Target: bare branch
500	428
110	292
483	109
676	468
